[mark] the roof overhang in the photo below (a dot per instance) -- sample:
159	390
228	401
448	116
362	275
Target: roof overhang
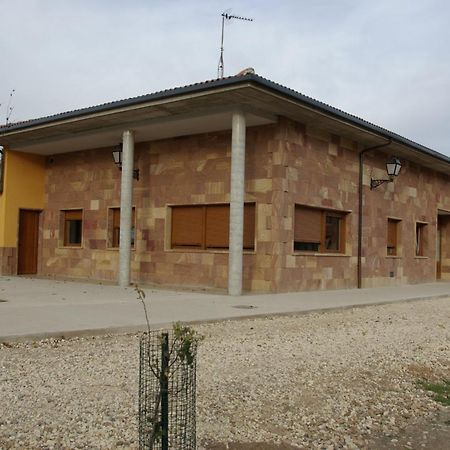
201	108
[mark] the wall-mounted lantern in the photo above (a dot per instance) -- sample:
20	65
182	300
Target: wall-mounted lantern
117	156
393	167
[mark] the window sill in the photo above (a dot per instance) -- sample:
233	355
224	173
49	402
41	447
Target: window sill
192	250
115	249
78	247
345	255
393	256
421	257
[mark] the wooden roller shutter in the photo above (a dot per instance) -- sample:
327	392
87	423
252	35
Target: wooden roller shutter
249	226
217	226
307	224
115	238
392	233
115	227
187	226
75	214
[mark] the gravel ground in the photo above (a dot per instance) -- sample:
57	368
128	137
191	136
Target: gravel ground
344	379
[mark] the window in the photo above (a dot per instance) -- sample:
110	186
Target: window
73	227
421	238
114	227
206	227
318	230
392	237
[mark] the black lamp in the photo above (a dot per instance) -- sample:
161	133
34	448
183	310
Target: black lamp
117	156
393	167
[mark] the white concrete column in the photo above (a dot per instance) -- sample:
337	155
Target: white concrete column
236	203
126	198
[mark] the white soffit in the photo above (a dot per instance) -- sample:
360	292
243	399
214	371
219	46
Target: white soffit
148	131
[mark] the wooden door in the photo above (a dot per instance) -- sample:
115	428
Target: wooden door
439	251
28	241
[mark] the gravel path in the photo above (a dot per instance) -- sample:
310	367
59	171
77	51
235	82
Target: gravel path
327	380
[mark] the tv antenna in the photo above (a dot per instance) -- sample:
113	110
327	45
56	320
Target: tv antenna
226	16
10	108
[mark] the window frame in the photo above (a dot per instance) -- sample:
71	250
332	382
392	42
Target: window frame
397	247
421	239
202	247
324	213
66	230
111	244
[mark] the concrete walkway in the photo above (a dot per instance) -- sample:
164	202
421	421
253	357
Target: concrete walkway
37	308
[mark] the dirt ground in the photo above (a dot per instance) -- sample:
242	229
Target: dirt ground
334	380
430	434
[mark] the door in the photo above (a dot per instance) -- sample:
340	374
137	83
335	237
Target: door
28	241
439	251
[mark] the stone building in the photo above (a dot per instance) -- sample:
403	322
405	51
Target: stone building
237	183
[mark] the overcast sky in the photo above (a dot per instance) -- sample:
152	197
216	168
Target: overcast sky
387	61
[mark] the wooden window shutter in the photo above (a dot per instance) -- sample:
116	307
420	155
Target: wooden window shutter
307	224
187	226
116	217
249	226
392	233
115	227
217	226
73	215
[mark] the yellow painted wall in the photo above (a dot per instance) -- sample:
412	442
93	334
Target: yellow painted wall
23	188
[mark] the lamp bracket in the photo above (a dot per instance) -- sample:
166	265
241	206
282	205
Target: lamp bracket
375	183
135	172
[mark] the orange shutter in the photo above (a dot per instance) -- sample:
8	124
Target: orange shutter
187	226
73	214
307	224
249	226
115	227
217	226
392	233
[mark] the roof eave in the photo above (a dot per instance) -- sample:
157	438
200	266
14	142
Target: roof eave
228	82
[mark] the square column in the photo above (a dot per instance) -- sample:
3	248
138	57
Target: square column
237	203
126	198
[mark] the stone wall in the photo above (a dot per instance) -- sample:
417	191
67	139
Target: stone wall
185	170
286	164
8	261
319	169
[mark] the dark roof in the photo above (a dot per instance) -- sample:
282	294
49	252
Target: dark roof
229	81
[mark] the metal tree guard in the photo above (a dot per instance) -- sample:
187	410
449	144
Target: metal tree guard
167	392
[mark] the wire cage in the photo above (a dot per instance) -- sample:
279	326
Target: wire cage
167	391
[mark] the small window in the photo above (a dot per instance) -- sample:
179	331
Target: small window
73	227
421	238
114	227
318	230
206	227
392	237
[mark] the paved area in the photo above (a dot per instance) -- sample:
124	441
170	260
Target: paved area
38	308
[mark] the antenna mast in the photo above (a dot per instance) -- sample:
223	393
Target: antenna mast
226	16
10	108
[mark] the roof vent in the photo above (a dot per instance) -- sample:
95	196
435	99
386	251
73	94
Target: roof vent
246	71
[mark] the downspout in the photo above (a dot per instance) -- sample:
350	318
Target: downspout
360	205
